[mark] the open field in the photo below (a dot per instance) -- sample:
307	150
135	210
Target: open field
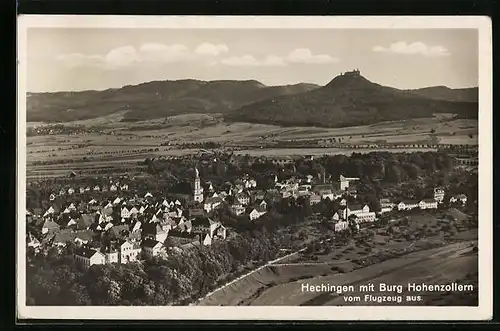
117	138
419	248
107	142
452	261
319	151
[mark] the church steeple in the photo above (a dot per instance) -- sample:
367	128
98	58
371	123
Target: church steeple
198	190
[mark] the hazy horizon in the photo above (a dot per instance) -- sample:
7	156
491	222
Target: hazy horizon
232	80
82	59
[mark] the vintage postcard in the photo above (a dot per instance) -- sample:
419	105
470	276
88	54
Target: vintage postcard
263	168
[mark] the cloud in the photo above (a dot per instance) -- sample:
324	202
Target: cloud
149	53
210	49
299	55
304	55
250	61
402	47
163	53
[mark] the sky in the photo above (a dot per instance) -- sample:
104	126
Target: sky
74	59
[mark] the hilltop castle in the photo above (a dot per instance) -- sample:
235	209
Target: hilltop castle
352	73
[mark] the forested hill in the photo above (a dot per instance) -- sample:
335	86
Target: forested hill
445	93
155	99
348	100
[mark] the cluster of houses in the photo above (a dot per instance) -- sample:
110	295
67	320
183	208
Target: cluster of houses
353	215
127	229
242	197
113	187
122	230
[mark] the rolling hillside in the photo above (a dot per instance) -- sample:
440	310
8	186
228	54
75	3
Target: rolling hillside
446	93
348	100
155	99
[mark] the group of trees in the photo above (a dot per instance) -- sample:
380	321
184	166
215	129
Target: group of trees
193	273
183	275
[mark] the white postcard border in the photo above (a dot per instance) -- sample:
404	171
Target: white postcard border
483	312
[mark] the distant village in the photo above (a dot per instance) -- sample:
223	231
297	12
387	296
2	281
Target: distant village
144	227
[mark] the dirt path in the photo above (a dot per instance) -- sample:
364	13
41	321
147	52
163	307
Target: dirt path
248	274
273	262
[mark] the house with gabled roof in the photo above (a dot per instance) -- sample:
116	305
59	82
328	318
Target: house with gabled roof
255	213
97	188
136	226
32	241
183	224
243	198
50	227
49	211
113	188
83	237
386	205
156	231
88	257
154	219
341	225
52	197
111	253
108	226
179	239
71	191
207	226
151	248
261	204
428	204
211	203
237	209
407	204
462	198
129	251
71	223
63	237
133	211
125	213
81	190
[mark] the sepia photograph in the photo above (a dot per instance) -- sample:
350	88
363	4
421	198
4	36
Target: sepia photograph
309	167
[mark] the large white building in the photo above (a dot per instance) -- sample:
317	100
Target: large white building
344	182
439	194
362	213
428	204
386	205
88	257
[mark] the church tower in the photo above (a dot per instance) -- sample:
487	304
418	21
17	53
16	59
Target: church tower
198	190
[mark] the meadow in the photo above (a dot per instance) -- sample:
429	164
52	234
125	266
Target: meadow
409	249
127	142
